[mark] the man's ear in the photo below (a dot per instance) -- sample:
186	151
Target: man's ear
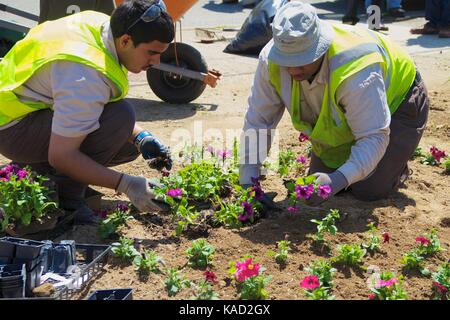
125	41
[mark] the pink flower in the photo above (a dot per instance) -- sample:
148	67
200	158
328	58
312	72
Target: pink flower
292	209
223	153
175	193
21	174
310	283
304	192
246	269
324	191
210	149
437	154
210	276
423	241
386	283
301	159
440	287
165	172
303	137
385	237
371	296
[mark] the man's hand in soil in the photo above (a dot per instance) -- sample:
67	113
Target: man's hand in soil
335	180
139	191
152	149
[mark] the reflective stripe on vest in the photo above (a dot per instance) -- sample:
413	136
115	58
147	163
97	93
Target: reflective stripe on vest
74	38
352	50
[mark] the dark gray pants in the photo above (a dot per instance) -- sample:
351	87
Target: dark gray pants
407	126
27	142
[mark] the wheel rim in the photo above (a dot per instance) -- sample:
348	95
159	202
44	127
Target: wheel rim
176	81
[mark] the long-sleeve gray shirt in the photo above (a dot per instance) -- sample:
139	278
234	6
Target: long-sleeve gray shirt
362	97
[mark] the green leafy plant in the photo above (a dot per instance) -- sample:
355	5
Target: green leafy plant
429	244
185	215
351	255
327	224
148	261
200	254
387	287
284	246
418	153
253	288
324	272
441	283
313	289
204	291
286	160
113	221
125	249
413	260
24	196
446	164
374	240
175	282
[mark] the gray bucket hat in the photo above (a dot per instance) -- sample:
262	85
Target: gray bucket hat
299	36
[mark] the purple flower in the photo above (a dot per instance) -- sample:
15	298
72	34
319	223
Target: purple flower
243	217
223	153
301	159
247	208
102	213
121	206
255	181
210	149
304	192
259	194
292	209
175	193
21	174
303	137
324	191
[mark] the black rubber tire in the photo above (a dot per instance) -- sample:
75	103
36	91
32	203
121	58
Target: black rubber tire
173	88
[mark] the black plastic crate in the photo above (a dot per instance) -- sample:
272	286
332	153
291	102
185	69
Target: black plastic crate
112	294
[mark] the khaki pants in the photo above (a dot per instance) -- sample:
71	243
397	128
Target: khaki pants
407	126
27	142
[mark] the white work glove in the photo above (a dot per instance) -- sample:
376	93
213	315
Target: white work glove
139	191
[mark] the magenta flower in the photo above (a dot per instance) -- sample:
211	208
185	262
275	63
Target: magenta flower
423	241
174	193
324	191
385	237
165	172
304	192
210	276
223	153
303	137
437	154
292	209
246	269
12	170
371	296
386	283
243	217
301	159
121	206
442	289
310	283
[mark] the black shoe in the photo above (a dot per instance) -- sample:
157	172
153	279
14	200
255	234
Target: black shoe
397	12
350	20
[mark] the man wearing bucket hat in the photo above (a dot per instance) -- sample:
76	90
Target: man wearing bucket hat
355	93
62	106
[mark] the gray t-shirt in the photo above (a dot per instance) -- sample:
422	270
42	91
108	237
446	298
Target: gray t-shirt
76	92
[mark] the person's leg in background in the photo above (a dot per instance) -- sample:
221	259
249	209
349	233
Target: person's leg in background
432	15
395	8
444	23
351	14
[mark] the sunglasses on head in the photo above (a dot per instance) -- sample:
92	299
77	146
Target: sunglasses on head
151	14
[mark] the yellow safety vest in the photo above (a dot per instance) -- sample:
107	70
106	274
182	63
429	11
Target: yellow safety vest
74	38
351	50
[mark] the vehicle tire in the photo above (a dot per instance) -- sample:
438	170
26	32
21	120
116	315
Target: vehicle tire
173	88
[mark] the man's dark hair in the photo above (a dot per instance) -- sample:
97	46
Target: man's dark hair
161	29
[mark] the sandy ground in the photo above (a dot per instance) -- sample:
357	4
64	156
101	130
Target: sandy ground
423	203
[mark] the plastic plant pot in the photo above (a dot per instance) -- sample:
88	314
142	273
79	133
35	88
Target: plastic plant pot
29	249
61	258
7	249
5	260
12	292
71	245
112	294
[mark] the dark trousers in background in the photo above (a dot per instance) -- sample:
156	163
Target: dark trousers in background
407	126
27	142
438	12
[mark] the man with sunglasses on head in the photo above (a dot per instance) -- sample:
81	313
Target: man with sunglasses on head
62	106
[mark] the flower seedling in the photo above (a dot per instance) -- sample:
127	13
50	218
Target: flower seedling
250	279
204	291
413	260
303	189
434	157
418	153
441	282
323	270
374	240
327	224
429	244
200	254
113	221
284	246
447	166
184	215
175	282
313	289
351	255
125	249
387	287
147	262
210	276
23	196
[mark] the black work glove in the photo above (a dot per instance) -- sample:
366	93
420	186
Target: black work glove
157	154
